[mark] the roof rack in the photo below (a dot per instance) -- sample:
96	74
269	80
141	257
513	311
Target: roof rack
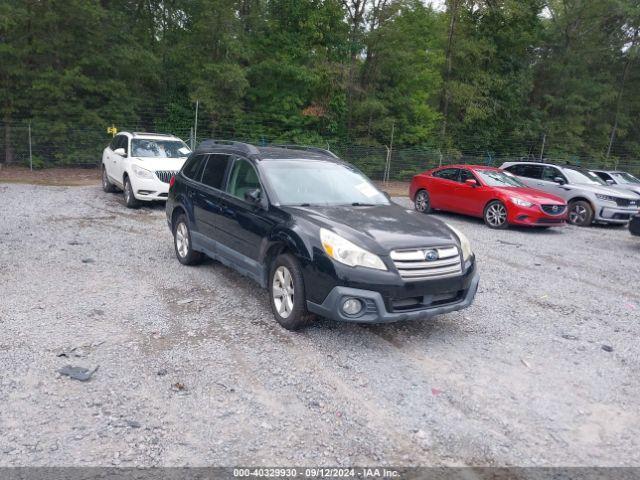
306	148
153	134
212	143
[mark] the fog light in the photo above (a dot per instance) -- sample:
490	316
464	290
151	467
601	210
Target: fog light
352	306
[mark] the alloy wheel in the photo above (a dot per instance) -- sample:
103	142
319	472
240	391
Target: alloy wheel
496	215
182	240
282	291
578	214
127	191
422	201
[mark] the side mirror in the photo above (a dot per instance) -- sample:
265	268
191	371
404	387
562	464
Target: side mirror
471	182
610	182
253	196
120	151
559	180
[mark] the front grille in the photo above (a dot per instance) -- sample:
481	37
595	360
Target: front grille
413	264
165	175
554	209
624	202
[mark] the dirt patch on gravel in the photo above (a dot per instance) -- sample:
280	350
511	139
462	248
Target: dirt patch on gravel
50	176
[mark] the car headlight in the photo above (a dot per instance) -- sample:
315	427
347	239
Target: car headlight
607	198
464	243
343	251
141	172
521	202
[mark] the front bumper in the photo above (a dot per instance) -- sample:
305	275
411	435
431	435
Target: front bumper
375	310
608	212
151	189
534	216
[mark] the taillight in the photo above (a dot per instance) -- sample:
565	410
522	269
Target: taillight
172	181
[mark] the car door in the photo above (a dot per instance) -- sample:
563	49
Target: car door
442	188
242	226
208	198
548	182
109	157
119	161
467	198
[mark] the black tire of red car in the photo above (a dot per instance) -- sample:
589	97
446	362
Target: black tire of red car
107	186
293	315
495	215
422	203
129	198
580	213
182	242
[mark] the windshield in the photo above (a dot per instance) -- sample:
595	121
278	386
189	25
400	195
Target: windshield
318	182
624	177
582	176
142	147
496	178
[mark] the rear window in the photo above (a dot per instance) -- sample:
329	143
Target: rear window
214	171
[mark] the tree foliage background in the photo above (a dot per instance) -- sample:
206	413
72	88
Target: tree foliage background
488	78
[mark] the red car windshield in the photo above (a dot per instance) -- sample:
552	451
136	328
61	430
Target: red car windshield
497	178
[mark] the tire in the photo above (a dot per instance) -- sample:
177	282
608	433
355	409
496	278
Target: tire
495	215
129	198
422	203
580	213
286	293
182	242
107	186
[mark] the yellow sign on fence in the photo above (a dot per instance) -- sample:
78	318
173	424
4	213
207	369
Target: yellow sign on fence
112	130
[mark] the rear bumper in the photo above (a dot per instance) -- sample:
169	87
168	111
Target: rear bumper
615	215
375	311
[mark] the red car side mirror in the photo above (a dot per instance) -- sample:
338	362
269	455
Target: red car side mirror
471	182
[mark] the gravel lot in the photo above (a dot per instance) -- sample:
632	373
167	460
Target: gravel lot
193	370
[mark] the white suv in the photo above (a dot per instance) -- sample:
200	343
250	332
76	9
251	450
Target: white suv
141	165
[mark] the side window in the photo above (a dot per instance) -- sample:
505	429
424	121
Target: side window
515	169
466	175
243	178
214	170
530	171
604	176
114	142
123	142
549	174
447	174
193	167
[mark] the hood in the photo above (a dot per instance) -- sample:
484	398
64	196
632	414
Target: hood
602	190
626	188
159	163
531	194
380	228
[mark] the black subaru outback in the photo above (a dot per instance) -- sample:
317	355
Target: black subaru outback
316	233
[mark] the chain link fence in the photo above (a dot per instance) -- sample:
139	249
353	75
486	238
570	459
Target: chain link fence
43	145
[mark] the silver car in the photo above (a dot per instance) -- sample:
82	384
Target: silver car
590	199
619	180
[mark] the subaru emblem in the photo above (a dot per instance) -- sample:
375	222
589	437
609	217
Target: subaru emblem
431	255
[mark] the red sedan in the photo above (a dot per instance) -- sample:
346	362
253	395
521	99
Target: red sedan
490	193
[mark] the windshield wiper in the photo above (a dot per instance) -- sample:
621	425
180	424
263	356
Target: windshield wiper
361	204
